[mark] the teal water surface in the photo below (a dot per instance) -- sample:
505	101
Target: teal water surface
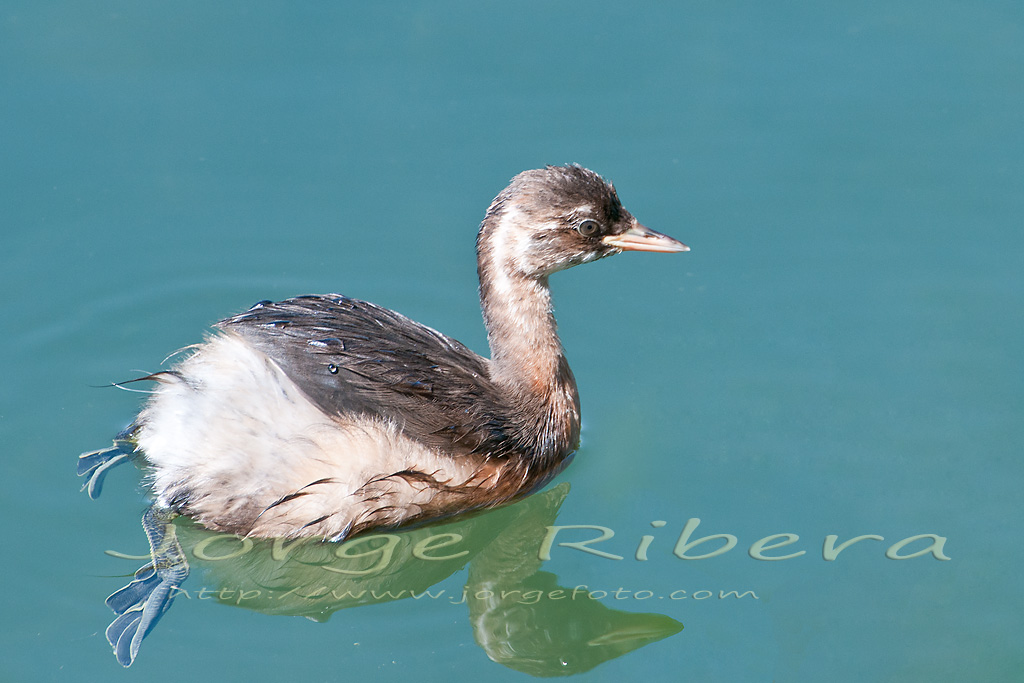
839	355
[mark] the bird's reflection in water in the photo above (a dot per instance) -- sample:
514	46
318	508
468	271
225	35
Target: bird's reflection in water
514	618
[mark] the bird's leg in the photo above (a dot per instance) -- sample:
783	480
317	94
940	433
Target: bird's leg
141	603
96	464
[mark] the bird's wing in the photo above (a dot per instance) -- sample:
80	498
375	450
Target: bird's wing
353	357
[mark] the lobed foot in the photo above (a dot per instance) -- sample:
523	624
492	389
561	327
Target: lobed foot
141	603
96	464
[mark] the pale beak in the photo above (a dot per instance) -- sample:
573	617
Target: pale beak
640	238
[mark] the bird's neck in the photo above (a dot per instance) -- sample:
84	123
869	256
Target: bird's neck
527	359
526	353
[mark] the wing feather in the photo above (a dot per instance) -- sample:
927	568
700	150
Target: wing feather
353	357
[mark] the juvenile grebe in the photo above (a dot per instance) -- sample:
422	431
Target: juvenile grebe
325	416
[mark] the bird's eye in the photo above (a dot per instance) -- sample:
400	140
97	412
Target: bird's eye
588	228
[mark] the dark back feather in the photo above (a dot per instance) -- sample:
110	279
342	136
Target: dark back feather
353	357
